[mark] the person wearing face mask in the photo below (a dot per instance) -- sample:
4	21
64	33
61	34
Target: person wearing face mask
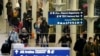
89	48
24	36
65	41
79	45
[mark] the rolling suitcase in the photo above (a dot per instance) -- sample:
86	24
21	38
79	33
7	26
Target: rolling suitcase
5	48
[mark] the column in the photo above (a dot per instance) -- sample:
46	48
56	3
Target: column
5	15
23	8
90	18
67	4
73	6
91	4
58	5
5	9
14	3
77	4
45	9
90	27
34	12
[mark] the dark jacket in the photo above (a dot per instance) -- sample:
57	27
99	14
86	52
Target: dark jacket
24	35
79	45
9	8
65	42
44	27
27	21
88	48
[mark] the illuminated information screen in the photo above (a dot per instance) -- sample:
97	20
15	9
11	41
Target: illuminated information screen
65	17
42	52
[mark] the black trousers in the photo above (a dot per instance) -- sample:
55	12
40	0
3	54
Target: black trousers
29	28
37	39
9	19
46	37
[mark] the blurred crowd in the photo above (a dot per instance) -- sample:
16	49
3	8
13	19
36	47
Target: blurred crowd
87	46
22	29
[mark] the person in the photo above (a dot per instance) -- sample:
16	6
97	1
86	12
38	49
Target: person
65	41
97	45
18	6
38	30
66	29
13	36
39	12
9	11
28	23
24	36
44	31
79	45
15	20
89	48
29	12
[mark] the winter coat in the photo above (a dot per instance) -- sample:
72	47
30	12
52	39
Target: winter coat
89	48
44	27
9	9
79	45
65	42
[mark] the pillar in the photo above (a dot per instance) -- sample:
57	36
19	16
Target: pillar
45	9
5	9
58	5
67	4
34	12
73	7
90	27
14	3
23	8
90	18
91	4
5	14
77	4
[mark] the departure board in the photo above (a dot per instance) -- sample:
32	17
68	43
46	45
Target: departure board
65	17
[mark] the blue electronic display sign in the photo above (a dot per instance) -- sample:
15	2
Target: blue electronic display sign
65	17
42	52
